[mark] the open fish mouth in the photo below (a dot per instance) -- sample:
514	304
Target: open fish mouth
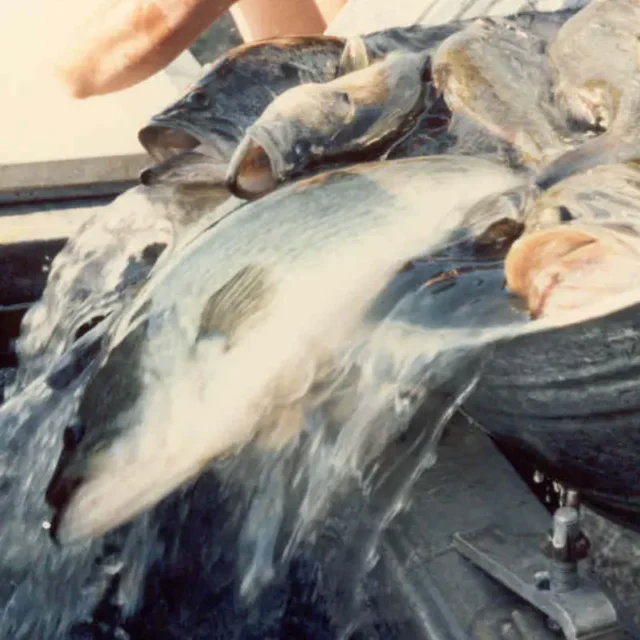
256	167
183	156
573	268
162	142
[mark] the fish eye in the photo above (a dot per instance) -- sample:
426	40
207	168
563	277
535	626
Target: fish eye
344	97
198	98
302	149
565	214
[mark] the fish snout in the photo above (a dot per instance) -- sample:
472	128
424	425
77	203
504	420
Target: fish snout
568	267
302	127
184	154
162	141
250	173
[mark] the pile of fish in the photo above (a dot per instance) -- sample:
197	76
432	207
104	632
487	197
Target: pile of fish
331	230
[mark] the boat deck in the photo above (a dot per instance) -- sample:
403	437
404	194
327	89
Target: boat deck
363	16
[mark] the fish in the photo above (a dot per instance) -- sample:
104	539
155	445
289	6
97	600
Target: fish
581	241
343	120
595	59
192	139
251	304
481	71
592	57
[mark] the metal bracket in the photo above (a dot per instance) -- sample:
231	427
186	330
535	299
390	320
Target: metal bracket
519	563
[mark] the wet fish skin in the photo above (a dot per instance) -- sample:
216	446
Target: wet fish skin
354	115
481	70
596	62
298	239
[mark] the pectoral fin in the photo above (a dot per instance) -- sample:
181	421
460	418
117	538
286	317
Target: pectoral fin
236	303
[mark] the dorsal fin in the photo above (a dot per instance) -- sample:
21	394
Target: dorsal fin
354	56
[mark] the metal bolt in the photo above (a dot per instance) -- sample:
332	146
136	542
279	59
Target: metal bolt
566	527
563	571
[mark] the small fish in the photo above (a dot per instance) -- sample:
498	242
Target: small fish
239	325
582	241
357	113
597	83
497	75
593	56
193	138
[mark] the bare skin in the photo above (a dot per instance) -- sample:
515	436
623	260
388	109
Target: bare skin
112	45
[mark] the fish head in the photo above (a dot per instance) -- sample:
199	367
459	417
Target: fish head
321	122
480	72
593	56
186	141
573	266
581	240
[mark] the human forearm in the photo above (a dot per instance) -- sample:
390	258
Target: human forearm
119	43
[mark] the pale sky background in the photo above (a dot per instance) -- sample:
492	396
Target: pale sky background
38	121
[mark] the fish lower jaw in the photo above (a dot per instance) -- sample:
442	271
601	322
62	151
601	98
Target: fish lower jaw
580	280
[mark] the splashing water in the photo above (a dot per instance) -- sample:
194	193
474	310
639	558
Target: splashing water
100	268
386	378
46	589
